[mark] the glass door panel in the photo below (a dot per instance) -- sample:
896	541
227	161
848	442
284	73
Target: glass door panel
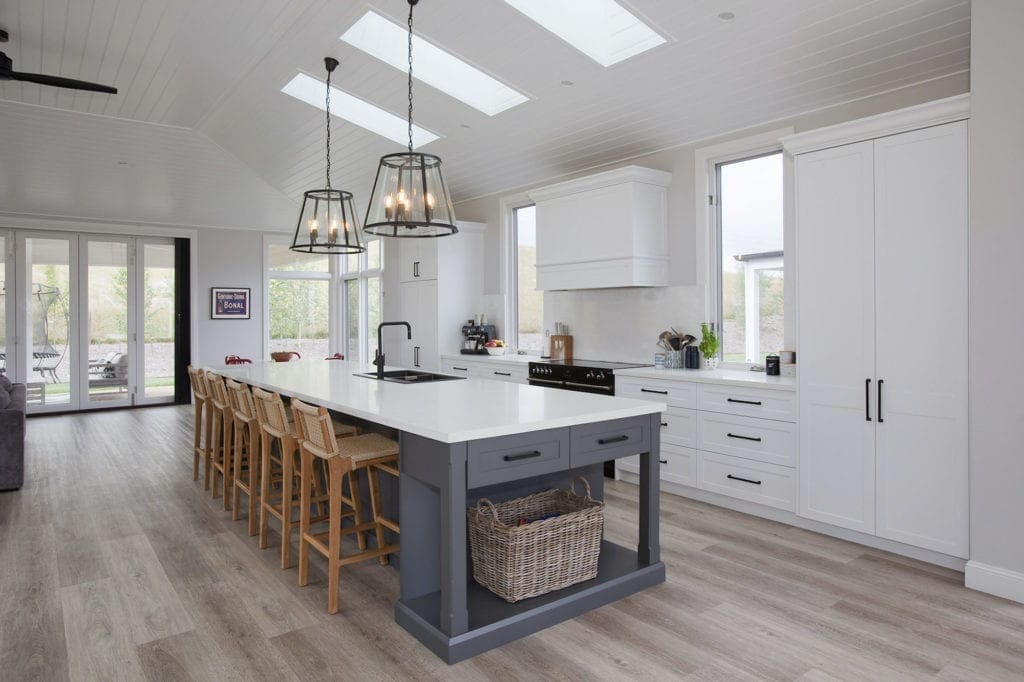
6	294
157	322
108	323
48	356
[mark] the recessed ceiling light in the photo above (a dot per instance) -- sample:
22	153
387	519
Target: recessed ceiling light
603	30
465	125
122	163
726	16
568	83
387	41
354	110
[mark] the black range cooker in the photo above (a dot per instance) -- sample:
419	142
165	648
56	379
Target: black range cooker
587	376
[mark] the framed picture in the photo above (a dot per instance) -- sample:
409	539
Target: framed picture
229	303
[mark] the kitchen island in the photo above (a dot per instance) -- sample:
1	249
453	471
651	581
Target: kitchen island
464	439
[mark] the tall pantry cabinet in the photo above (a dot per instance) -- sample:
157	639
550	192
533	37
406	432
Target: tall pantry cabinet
882	332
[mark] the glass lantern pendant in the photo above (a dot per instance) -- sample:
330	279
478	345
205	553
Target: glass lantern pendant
327	222
409	197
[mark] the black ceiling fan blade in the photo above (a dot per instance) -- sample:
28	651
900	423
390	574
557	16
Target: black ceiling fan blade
59	82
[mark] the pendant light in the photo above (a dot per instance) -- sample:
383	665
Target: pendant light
327	222
409	197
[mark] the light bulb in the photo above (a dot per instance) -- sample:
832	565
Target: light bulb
314	227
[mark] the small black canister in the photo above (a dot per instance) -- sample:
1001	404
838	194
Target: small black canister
691	357
771	365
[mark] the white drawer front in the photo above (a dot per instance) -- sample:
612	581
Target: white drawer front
679	427
674	393
516	375
678	465
766	484
765	440
748	402
456	369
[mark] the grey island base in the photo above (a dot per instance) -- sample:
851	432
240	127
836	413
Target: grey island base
440	603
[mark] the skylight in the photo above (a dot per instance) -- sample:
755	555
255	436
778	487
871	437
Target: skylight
603	30
349	107
388	42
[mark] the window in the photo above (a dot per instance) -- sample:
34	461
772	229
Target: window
527	306
750	257
321	304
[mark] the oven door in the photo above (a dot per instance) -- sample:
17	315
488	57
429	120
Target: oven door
573	386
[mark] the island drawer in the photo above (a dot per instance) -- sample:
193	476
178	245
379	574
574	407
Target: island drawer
511	458
748	402
673	393
765	440
593	443
766	484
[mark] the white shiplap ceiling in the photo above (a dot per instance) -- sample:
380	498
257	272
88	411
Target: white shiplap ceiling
217	68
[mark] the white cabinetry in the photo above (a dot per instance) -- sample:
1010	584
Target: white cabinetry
486	367
419	308
882	336
604	230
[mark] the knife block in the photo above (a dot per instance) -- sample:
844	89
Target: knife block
561	347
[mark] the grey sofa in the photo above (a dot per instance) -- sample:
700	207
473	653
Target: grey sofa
12	434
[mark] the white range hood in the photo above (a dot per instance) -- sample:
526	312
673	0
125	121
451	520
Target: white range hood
602	231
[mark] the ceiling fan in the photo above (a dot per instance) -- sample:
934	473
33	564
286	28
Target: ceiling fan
7	73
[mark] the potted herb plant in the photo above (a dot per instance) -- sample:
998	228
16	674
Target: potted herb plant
709	345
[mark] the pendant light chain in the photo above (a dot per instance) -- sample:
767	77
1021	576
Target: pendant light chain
411	5
327	106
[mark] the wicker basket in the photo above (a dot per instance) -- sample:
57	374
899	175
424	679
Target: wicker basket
516	562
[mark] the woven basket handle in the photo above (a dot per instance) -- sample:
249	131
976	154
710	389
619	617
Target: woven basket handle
586	486
483	505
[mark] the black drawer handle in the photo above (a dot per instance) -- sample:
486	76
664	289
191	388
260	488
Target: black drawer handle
524	455
461	369
753	438
663	461
744	402
504	374
745	480
651	390
664	423
614	439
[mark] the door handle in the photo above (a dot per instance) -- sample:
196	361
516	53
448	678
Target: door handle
651	390
745	480
525	455
867	399
503	374
756	439
416	269
880	382
614	439
744	402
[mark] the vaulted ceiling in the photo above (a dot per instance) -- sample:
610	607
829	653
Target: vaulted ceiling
207	77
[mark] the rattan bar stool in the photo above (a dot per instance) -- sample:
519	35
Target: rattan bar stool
245	458
220	445
201	441
344	457
279	473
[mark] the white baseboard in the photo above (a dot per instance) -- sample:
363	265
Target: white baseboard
994	580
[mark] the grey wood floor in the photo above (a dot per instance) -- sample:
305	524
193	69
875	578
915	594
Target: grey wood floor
115	565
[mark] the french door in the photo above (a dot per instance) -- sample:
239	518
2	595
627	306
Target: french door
88	320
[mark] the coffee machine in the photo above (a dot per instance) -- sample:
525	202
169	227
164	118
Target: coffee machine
475	336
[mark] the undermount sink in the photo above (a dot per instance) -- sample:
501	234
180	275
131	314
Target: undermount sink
408	376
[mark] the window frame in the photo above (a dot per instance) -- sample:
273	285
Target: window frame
510	266
269	275
707	161
362	275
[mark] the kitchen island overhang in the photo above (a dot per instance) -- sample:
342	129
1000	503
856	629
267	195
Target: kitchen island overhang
455	438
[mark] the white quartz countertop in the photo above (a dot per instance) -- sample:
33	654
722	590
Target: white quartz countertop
729	377
447	411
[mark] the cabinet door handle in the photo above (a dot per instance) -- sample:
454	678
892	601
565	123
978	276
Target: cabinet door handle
651	390
663	461
880	382
503	374
416	356
743	402
745	480
524	455
756	439
867	399
613	439
664	423
416	268
461	369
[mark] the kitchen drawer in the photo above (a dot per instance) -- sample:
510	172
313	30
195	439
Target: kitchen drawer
678	465
673	393
516	375
456	369
679	427
511	458
748	402
766	484
765	440
592	443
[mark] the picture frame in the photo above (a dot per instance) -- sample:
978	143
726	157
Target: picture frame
229	303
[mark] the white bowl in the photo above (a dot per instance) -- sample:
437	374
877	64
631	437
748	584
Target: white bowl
495	351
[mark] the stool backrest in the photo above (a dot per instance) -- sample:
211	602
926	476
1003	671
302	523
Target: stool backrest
241	401
198	380
315	429
270	412
218	393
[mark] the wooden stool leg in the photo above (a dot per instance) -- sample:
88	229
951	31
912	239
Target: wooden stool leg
288	447
215	453
374	476
357	505
227	460
236	469
197	441
208	443
306	475
266	472
255	467
334	536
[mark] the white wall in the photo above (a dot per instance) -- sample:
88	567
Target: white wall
623	324
996	249
228	258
